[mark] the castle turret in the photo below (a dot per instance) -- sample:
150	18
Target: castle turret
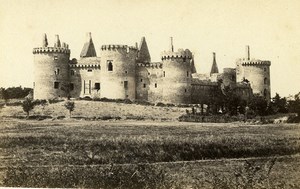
88	49
118	69
214	67
177	72
257	72
51	71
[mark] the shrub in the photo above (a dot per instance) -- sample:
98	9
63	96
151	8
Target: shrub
70	106
27	105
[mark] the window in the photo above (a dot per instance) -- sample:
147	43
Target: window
55	57
71	86
155	85
56	72
265	81
56	85
164	74
97	86
187	74
141	80
148	73
72	72
109	65
89	70
126	72
125	84
144	85
265	69
185	90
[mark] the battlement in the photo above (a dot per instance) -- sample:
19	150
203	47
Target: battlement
118	47
180	54
255	62
40	50
96	66
150	65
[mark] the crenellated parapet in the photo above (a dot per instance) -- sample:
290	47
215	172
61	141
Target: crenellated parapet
95	66
255	62
40	50
150	65
180	54
125	48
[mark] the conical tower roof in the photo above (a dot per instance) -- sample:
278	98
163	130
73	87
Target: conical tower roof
214	67
143	54
88	49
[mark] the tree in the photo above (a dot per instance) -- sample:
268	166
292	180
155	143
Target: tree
28	105
294	105
278	104
259	105
70	106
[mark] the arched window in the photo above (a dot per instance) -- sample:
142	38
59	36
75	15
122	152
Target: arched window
265	81
110	66
72	72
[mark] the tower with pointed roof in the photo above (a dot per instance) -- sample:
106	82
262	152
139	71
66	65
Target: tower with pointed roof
143	52
88	49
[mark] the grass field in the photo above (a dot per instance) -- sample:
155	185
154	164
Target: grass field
148	154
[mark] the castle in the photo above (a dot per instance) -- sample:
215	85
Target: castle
126	72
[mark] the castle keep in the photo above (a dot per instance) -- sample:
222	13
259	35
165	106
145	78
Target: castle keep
127	72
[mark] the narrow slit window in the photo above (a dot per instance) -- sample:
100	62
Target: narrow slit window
144	85
155	85
109	65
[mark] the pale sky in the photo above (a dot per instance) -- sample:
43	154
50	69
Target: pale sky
270	27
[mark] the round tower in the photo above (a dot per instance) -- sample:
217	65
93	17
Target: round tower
177	75
257	72
51	70
118	67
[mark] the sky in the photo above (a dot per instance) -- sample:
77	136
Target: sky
270	27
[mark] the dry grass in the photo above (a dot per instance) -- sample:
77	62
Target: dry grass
127	154
96	109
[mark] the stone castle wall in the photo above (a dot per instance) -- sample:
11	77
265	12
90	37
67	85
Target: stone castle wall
118	71
51	72
257	72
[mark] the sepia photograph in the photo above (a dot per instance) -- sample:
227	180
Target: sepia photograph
151	94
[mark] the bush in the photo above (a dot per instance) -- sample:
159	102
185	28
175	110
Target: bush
28	105
70	105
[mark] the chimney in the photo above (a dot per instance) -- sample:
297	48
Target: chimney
57	41
171	44
247	52
45	40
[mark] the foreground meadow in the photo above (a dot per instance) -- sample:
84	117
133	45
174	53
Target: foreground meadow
147	154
